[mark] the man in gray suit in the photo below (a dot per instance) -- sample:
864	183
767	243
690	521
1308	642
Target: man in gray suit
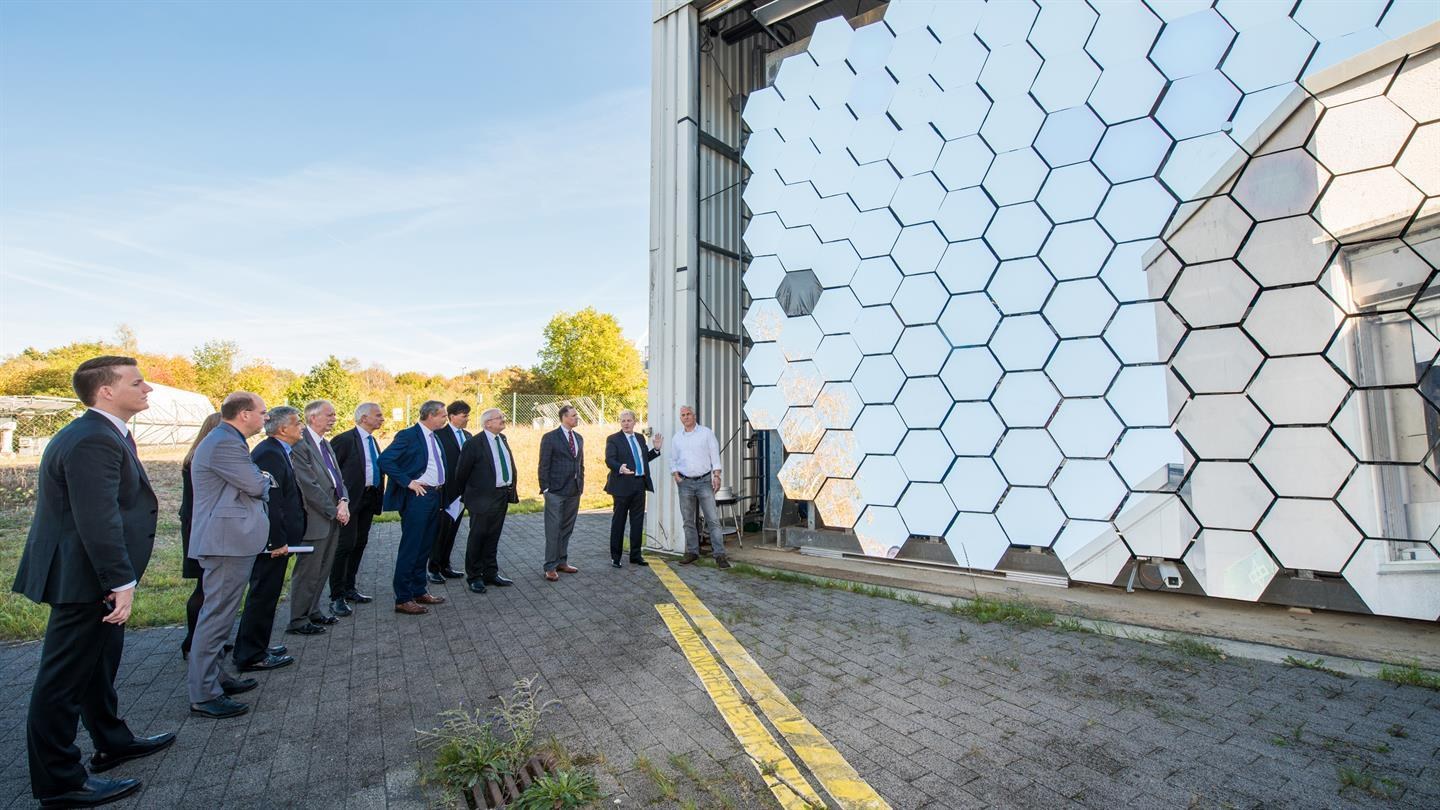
562	479
327	508
228	528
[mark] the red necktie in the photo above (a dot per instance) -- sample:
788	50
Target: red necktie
571	436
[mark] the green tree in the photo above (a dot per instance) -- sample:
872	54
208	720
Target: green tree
215	368
327	380
585	354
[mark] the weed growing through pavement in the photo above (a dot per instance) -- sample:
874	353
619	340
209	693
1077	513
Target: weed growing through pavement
1195	648
662	783
1397	731
1410	675
985	609
1318	665
1363	780
562	789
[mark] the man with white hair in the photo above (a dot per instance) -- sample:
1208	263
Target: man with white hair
695	464
327	508
358	456
628	458
485	481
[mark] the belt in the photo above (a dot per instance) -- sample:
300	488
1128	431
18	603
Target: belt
694	477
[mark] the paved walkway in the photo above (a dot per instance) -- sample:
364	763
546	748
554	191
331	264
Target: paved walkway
931	710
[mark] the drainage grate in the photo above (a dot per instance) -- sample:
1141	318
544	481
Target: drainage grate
501	793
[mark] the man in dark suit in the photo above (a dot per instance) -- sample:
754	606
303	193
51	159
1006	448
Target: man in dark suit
562	479
287	527
416	489
358	456
88	546
452	437
327	509
485	481
628	458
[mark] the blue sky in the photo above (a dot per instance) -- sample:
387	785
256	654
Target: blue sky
420	185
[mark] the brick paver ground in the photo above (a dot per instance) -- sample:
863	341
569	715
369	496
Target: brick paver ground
932	709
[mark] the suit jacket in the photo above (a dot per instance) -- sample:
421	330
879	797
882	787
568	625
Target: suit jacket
80	555
561	472
403	461
287	508
316	490
617	452
450	448
350	458
229	512
475	473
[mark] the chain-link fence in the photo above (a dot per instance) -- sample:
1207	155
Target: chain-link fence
27	423
543	410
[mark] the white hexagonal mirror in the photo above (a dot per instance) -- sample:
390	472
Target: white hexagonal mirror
800	477
1309	534
1017	230
1197	105
969	319
1065	80
965	214
1025	399
977	541
839	503
963	163
1073	192
801	383
1069	136
1226	495
800	430
1268	55
918	249
799	338
1304	462
879	429
880	480
920	299
1385	425
1150	459
1217	361
838	454
1030	516
874	233
1132	150
878	379
1294	320
1136	210
926	509
1015	177
764	364
1020	285
837	357
1393	501
1076	249
1022	343
1385	349
1139	396
1012	123
1395	590
923	402
966	266
1010	70
1088	489
1192	44
925	455
1298	390
1293	250
875	281
880	530
1212	294
1091	551
972	428
877	329
838	405
1085	428
1126	91
917	199
1082	367
765	407
1028	457
1079	308
970	373
873	185
836	311
975	484
922	350
1156	525
1221	426
1230	565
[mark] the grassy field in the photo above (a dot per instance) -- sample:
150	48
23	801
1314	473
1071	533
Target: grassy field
160	601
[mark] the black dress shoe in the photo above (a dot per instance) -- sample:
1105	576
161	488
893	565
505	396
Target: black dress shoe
451	573
96	791
614	563
499	581
268	663
434	578
340	608
219	708
359	598
238	687
311	629
639	561
476	586
319	619
278	649
141	747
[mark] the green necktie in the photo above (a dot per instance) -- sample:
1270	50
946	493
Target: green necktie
500	451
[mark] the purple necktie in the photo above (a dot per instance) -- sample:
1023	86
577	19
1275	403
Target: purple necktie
330	465
439	459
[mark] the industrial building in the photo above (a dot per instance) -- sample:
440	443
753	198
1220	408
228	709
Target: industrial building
1131	293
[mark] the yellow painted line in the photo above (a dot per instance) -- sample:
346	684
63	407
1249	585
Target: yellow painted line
774	765
836	775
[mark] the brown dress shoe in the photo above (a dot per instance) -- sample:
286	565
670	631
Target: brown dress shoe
412	609
429	599
551	575
689	558
567	569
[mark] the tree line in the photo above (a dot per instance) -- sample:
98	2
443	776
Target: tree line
582	354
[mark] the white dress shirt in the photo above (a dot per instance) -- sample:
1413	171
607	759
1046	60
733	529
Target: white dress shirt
694	453
124	431
317	439
497	448
431	476
365	454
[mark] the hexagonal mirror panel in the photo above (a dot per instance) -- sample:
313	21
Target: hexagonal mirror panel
1230	565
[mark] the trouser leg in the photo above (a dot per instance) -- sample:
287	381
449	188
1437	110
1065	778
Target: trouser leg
688	507
225	580
257	623
192	612
637	525
68	668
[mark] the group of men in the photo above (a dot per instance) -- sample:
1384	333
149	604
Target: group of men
297	492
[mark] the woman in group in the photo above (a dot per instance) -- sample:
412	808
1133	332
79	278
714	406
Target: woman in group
190	569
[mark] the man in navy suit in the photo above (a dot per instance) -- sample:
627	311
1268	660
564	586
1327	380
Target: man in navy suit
485	482
287	526
89	543
562	479
629	459
415	465
452	438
